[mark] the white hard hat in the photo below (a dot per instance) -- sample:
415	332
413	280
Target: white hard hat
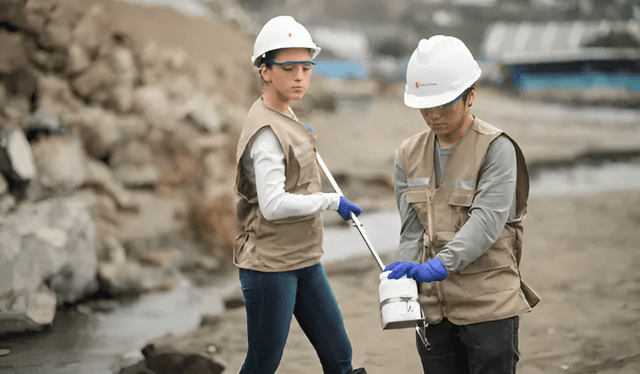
282	32
439	71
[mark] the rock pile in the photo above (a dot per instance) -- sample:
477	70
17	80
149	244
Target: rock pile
117	157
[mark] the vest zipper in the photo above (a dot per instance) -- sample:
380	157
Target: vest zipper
431	229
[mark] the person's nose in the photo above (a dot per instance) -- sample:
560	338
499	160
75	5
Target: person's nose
299	73
430	114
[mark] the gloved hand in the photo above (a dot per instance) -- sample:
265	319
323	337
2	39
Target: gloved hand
346	207
432	270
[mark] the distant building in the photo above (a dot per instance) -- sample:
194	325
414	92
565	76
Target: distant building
566	55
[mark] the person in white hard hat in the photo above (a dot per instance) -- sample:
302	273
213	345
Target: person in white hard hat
279	205
461	189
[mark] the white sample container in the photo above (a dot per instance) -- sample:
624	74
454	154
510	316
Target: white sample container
399	305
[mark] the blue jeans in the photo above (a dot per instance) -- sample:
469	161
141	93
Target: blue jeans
272	298
480	348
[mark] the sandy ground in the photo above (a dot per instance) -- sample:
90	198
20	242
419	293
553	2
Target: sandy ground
580	252
581	256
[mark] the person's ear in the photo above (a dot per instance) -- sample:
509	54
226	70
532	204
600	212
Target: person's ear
265	72
471	97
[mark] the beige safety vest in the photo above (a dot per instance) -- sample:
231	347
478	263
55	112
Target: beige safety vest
489	288
283	244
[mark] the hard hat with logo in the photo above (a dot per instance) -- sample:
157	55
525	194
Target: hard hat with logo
282	32
439	70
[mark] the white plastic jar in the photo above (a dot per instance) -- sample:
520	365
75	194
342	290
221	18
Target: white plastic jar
399	307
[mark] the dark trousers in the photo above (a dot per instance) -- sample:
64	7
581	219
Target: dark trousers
481	348
271	299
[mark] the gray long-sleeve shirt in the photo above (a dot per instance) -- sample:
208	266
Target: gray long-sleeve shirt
493	205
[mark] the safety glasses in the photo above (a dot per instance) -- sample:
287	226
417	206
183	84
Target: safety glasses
444	108
288	65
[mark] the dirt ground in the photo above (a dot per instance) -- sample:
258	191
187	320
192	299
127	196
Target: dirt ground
581	256
580	251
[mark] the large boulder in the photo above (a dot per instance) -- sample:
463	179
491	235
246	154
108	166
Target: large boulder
46	249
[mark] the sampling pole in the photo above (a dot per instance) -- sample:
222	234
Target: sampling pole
355	220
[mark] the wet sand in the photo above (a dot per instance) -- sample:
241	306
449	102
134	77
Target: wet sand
580	251
581	256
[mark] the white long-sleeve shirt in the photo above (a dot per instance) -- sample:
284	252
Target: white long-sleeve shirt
264	166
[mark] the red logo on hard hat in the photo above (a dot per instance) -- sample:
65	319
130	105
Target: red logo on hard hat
418	84
290	35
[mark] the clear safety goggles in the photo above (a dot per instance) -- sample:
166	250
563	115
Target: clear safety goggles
288	65
442	108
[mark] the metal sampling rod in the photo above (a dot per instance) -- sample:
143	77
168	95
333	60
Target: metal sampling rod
355	220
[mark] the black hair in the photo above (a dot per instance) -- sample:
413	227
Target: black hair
466	92
271	56
268	57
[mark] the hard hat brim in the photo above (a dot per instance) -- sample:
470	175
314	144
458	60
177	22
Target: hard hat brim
431	101
256	61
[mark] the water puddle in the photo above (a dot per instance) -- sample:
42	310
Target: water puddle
97	342
586	177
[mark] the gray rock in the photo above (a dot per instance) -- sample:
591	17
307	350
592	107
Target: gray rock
4	185
89	31
61	162
52	240
99	128
96	82
13	56
44	123
57	35
79	59
16	156
203	111
100	176
125	64
132	153
7	203
137	176
153	102
39	306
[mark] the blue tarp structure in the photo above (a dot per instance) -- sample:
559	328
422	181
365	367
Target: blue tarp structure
534	81
339	68
576	54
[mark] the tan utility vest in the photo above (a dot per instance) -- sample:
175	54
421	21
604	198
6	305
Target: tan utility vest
283	244
489	288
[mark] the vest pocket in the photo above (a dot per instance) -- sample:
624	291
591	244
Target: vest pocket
305	163
461	198
498	256
460	201
417	195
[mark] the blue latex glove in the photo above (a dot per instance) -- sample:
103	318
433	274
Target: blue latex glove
432	270
346	207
